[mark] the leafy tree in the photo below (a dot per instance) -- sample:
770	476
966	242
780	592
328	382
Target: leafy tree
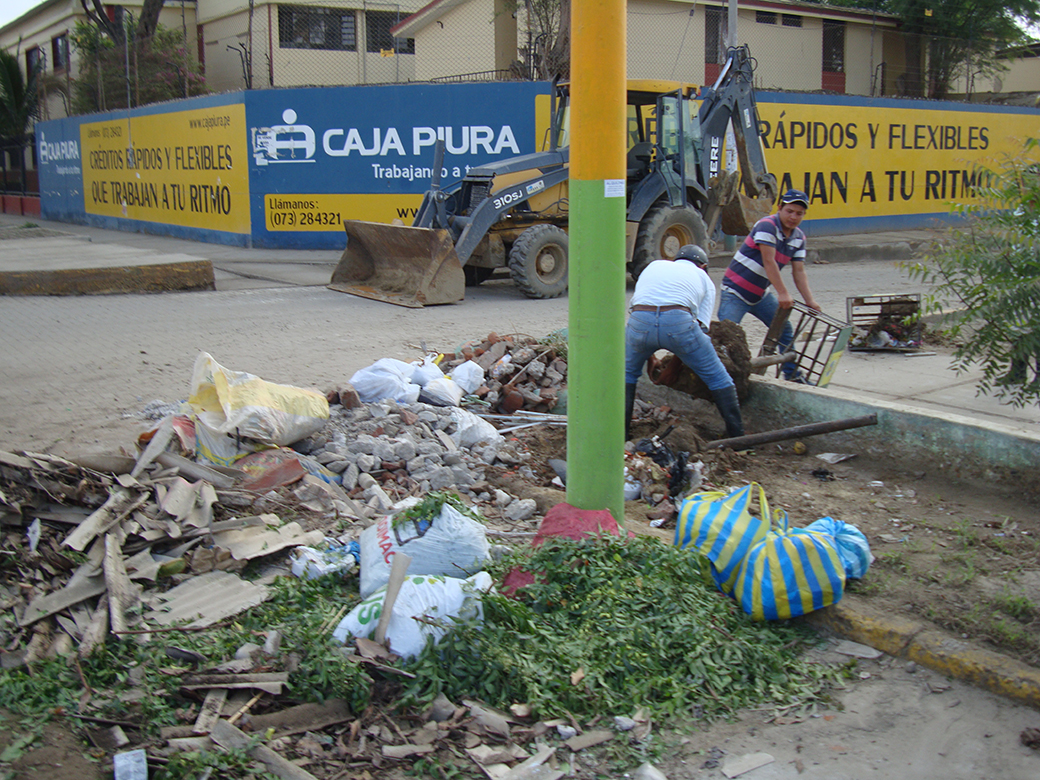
19	98
953	37
19	106
548	28
116	27
160	68
988	267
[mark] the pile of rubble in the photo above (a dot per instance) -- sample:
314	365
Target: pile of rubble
109	548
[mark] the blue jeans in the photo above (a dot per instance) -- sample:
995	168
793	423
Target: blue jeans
678	332
733	308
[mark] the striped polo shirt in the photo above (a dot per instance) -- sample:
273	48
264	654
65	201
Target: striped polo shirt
746	276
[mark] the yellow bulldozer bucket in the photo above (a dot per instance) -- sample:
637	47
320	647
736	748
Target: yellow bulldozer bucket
407	266
741	213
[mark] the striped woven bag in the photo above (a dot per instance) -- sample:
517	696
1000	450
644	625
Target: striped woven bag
790	573
721	527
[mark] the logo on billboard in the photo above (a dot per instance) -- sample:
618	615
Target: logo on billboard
58	151
286	143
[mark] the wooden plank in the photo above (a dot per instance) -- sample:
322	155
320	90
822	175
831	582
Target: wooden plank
158	444
120	504
83	589
588	739
227	736
121	594
209	712
189	468
96	630
536	768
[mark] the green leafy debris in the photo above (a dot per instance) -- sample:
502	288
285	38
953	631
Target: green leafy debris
612	625
430	505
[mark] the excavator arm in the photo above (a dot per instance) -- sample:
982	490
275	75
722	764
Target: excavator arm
739	198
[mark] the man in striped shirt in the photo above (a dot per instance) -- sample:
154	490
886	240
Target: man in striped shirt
774	242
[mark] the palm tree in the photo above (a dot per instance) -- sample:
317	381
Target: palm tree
19	105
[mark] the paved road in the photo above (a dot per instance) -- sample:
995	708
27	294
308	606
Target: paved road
74	366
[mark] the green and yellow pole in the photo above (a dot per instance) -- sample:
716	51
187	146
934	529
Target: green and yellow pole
596	326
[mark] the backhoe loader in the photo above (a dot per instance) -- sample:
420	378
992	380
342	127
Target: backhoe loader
513	213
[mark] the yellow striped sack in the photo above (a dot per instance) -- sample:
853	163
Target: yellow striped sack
790	573
721	527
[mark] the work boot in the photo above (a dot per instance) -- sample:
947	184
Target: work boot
630	402
729	407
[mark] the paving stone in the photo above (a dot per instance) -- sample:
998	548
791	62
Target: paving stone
350	477
384	450
520	510
442	478
362	444
404	450
338	466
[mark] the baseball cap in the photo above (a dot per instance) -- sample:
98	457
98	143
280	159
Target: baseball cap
795	196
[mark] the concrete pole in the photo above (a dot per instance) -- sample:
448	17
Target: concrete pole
595	344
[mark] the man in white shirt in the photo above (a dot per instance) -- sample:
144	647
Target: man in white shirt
671	309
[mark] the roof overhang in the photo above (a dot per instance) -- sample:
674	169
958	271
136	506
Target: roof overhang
424	17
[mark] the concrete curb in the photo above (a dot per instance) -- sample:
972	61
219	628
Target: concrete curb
159	277
934	649
962	447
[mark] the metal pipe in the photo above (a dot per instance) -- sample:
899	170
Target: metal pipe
772	360
784	434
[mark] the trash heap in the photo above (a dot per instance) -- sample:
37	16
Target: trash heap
248	485
504	374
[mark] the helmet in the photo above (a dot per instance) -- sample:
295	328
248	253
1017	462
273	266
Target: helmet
694	254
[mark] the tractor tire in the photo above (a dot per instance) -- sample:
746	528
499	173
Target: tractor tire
538	261
663	232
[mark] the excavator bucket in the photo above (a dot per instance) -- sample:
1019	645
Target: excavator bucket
741	213
407	266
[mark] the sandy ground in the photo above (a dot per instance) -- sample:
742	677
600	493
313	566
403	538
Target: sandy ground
77	371
888	723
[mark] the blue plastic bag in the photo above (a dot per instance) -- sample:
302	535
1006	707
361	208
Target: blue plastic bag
721	527
853	547
790	573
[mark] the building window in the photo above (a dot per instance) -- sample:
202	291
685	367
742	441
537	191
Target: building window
60	52
307	27
833	46
377	33
790	20
765	17
33	59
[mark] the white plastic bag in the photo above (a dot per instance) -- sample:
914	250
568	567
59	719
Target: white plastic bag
441	600
502	366
469	376
426	371
471	430
442	392
386	378
449	544
311	563
232	405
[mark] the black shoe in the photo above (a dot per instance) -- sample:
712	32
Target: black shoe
630	402
729	407
798	377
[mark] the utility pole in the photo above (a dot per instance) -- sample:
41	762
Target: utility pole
596	323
